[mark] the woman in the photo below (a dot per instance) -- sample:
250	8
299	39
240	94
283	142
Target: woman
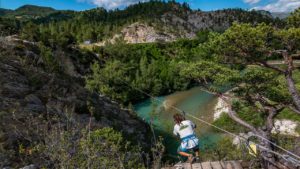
189	141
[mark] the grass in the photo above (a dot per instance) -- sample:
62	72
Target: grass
289	115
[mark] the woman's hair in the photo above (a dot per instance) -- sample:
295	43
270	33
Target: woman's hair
178	118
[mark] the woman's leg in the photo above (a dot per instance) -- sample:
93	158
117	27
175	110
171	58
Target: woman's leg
196	151
184	154
197	155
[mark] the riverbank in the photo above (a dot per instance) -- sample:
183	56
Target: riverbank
220	108
281	126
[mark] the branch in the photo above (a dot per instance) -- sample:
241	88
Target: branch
295	55
265	64
232	114
218	94
277	51
272	112
294	109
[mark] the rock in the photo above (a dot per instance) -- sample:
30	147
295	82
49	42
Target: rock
33	102
14	89
141	33
286	127
33	99
29	167
220	108
238	140
177	23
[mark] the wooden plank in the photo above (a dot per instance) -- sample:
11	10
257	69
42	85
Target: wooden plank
216	165
228	165
178	166
236	165
245	164
209	165
222	164
206	165
187	165
196	166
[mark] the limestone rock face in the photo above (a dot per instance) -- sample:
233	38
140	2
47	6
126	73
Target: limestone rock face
34	101
286	127
177	24
142	33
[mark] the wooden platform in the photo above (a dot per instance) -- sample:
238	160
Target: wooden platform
210	165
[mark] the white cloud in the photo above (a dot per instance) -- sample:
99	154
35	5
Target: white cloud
113	4
280	6
251	1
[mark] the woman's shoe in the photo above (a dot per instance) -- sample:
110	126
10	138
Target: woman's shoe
197	159
191	159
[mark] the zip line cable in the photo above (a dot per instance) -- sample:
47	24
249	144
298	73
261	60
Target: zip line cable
278	146
223	130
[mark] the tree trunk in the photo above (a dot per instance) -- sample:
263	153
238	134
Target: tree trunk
293	91
267	159
290	81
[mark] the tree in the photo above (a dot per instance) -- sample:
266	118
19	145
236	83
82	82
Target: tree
294	19
249	90
245	44
111	80
257	86
31	32
50	62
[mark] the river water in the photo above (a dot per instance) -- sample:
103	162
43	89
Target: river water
159	114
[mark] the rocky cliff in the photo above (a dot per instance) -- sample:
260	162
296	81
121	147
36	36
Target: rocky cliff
33	101
178	23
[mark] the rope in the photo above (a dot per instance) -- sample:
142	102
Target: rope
223	130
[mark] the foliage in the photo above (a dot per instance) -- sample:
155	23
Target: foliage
103	147
49	60
213	60
148	67
9	26
288	114
246	113
287	39
110	80
294	19
99	24
253	81
31	32
258	92
28	12
224	150
247	44
243	43
205	72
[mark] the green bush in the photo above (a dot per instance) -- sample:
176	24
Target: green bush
224	150
50	62
102	148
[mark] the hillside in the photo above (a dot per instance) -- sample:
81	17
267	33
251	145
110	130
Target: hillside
40	96
135	24
165	21
280	15
185	23
5	11
27	11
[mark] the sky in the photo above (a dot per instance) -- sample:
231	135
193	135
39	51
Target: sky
205	5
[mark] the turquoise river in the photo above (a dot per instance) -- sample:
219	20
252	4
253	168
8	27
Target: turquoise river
193	101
